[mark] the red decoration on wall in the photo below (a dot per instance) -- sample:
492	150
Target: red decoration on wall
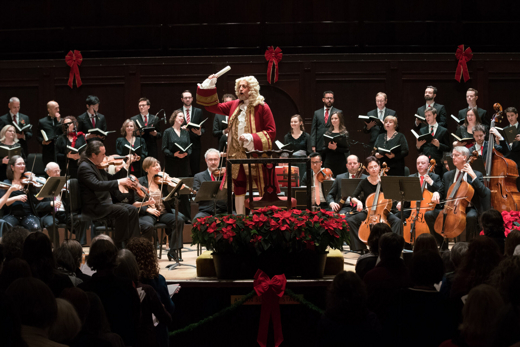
273	56
271	290
74	59
462	68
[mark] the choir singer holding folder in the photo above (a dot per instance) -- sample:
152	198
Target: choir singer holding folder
68	146
439	142
49	128
391	147
177	147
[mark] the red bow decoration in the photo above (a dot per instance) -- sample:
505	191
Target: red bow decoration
462	69
273	55
270	290
74	59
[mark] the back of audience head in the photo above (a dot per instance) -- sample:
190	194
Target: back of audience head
127	268
37	251
457	253
33	301
375	234
64	260
75	250
424	242
426	268
13	270
512	240
13	242
67	324
101	237
446	259
390	246
96	322
506	278
146	257
79	299
102	255
493	223
347	298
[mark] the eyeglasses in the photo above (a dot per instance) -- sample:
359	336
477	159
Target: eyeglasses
315	162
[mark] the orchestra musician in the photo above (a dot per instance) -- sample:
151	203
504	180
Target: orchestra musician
466	130
129	139
480	202
300	141
366	187
21	120
317	199
380	112
429	95
471	99
146	120
321	120
480	145
335	153
70	137
388	140
434	149
334	196
8	139
4	226
51	125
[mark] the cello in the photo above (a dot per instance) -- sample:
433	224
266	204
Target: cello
379	210
501	174
415	225
451	222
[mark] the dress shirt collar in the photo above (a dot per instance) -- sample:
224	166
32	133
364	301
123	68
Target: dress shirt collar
430	105
515	125
12	115
464	176
90	115
435	126
381	113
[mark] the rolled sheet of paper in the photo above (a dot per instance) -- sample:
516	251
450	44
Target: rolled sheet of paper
223	71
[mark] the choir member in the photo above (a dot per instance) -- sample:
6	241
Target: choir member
220	125
321	120
388	140
334	196
51	126
69	138
466	130
91	119
380	112
145	119
21	120
440	143
177	161
127	140
429	95
512	117
318	199
471	99
195	116
335	153
8	139
300	140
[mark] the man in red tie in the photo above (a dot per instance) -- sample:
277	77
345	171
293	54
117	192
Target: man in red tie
321	120
195	116
207	208
440	142
143	120
479	134
92	119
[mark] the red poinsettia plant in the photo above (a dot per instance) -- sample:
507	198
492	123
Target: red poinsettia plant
272	229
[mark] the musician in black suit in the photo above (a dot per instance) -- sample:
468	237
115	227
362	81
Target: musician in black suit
471	98
220	126
51	125
380	112
145	119
429	95
321	120
480	145
208	208
512	117
480	202
334	196
95	186
91	119
316	163
15	117
440	142
193	115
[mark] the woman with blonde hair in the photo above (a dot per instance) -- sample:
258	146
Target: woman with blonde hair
129	140
8	139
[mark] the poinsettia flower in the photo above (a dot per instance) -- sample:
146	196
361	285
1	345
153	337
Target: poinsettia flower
283	215
316	219
259	219
256	238
212	227
274	224
482	233
295	211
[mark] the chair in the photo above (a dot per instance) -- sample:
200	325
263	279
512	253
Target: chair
76	206
36	158
157	240
406	171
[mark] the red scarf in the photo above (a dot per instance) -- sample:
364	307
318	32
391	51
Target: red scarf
75	137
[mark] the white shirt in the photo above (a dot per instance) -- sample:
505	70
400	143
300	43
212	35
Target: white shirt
147	116
313	191
381	113
435	126
431	105
90	116
464	176
478	147
17	117
515	125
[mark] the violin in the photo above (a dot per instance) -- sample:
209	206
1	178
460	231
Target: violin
4	185
115	160
501	173
451	222
415	225
30	179
379	210
324	175
139	189
173	182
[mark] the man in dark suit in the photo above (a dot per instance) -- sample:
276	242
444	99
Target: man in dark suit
334	197
220	126
440	142
18	119
51	125
512	117
479	134
91	119
193	115
480	202
429	95
208	208
321	200
471	98
321	120
380	112
145	119
95	186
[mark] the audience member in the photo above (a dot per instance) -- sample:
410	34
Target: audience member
13	270
67	324
425	242
76	251
10	326
512	240
65	264
368	261
97	326
493	224
456	255
13	242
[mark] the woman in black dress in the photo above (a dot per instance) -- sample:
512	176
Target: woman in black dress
466	130
71	138
366	187
8	139
177	161
335	155
128	139
300	140
389	140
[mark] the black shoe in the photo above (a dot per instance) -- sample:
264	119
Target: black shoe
172	255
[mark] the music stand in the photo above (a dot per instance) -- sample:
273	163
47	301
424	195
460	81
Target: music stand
208	191
402	189
327	186
51	189
348	186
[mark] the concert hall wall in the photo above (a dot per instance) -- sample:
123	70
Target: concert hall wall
355	79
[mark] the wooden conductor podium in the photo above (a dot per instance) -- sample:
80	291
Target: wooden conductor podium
270	198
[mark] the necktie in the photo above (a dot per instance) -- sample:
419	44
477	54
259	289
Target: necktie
353	176
187	115
432	131
460	172
316	191
212	177
14	119
380	114
422	180
481	151
146	120
93	121
326	115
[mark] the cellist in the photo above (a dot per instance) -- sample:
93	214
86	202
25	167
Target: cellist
366	187
480	202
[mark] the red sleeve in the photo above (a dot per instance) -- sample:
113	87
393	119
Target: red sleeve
209	99
265	128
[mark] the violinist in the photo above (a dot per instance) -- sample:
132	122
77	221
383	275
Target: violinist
335	152
8	139
6	195
128	139
480	145
334	197
366	187
318	199
19	208
480	202
72	138
207	208
440	142
388	140
155	210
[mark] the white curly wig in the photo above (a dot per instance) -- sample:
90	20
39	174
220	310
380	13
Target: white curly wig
254	90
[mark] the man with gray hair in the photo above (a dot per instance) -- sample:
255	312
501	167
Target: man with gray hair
480	202
19	120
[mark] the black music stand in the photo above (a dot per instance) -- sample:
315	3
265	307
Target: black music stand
348	186
51	189
208	191
402	189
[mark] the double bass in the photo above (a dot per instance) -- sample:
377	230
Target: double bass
501	174
415	225
451	222
378	211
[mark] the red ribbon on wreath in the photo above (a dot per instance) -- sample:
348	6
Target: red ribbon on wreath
273	56
270	290
462	68
74	59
